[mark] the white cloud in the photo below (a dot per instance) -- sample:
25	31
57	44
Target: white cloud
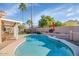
70	14
65	12
71	18
77	11
12	11
59	11
50	11
70	9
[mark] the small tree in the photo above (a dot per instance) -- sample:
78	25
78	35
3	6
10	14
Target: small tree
46	21
29	22
58	23
42	23
21	28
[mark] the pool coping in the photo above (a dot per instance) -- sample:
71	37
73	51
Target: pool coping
20	43
18	46
73	47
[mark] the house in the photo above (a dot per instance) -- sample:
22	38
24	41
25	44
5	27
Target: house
8	29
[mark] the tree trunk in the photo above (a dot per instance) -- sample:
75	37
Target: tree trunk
31	17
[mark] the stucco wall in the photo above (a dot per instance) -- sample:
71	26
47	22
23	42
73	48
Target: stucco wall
64	30
72	36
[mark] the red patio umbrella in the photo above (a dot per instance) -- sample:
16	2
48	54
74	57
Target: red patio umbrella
53	26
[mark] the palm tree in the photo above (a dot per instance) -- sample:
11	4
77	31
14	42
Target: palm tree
22	7
31	16
29	22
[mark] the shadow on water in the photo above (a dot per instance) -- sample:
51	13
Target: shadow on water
56	47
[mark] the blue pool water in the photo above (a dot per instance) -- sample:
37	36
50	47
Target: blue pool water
41	45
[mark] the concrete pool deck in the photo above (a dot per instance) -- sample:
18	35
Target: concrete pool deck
9	50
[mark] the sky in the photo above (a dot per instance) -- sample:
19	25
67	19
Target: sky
59	11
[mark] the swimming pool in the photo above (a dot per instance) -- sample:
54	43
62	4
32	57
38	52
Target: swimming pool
42	45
